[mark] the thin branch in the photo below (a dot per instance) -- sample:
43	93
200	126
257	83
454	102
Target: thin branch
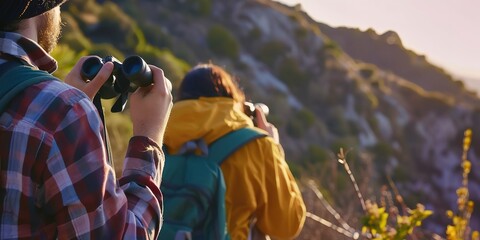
352	235
398	197
329	207
342	160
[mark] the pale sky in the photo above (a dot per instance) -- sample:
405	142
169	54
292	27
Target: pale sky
446	31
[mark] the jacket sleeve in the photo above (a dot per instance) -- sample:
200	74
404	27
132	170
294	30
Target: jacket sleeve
81	191
260	186
283	214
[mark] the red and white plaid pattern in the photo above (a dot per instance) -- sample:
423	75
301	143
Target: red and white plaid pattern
54	178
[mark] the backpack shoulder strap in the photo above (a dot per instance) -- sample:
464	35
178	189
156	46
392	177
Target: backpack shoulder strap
226	145
15	77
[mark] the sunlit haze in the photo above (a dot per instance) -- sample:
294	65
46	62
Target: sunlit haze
446	31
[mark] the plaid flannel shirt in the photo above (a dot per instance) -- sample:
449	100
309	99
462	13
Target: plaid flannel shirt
54	178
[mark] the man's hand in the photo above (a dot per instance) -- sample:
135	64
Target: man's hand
150	107
88	86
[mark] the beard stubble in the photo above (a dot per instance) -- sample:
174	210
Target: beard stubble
49	29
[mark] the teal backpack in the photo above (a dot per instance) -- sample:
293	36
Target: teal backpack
193	189
15	77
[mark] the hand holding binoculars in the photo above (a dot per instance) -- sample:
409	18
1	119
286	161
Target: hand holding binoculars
126	77
249	109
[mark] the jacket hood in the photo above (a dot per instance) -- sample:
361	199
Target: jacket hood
207	118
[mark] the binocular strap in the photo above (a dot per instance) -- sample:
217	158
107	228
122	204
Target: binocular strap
98	104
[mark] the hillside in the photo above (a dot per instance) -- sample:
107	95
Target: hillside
396	113
391	55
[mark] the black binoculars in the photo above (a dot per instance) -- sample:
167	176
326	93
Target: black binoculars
249	109
125	78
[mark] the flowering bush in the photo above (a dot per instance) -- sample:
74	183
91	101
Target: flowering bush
375	222
460	230
385	221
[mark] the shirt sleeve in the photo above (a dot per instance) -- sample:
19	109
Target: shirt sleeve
81	191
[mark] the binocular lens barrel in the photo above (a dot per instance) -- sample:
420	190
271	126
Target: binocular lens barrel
127	76
91	67
137	71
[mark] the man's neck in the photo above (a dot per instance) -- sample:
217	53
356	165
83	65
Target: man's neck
28	28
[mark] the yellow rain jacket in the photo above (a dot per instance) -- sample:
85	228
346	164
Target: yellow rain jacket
258	181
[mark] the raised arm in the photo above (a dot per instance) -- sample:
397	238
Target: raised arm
81	191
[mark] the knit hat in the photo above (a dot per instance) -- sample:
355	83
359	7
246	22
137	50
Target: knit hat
11	10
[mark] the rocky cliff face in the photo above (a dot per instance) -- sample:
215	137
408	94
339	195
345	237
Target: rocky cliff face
335	87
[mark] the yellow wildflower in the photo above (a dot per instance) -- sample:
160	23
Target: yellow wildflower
467	139
403	220
462	192
468	133
467	166
450	214
470	206
451	233
475	235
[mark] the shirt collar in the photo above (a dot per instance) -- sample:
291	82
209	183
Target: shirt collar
27	50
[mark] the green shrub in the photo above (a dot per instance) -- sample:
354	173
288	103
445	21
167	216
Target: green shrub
115	26
332	48
271	51
336	122
382	151
113	16
347	143
66	58
295	169
157	36
289	71
316	155
131	8
301	33
378	83
367	72
136	40
372	99
193	7
82	6
277	102
276	120
373	123
173	67
401	174
298	125
72	35
255	34
222	42
200	7
106	49
306	117
295	128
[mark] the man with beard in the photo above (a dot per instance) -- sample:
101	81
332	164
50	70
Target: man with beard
55	181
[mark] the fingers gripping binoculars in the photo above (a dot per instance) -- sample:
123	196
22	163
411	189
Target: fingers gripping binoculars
126	77
249	109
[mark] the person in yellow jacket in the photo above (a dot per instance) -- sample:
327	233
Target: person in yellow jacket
260	188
